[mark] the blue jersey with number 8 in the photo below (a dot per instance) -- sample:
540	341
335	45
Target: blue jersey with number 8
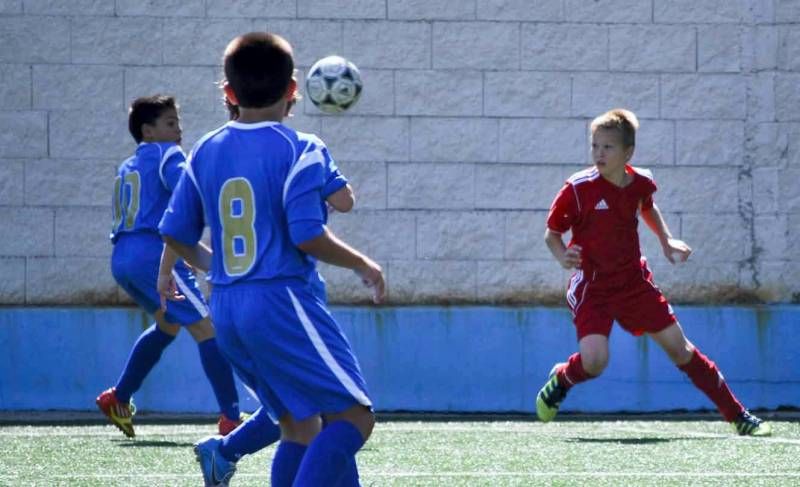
258	187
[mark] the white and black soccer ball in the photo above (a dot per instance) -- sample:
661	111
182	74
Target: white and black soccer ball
333	84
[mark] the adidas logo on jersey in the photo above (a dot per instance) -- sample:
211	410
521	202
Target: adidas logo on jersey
601	205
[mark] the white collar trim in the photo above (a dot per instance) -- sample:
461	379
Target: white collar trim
251	126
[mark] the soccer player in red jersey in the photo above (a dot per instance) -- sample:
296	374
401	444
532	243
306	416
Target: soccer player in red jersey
601	206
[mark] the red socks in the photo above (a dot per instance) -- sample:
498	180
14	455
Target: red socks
705	375
572	372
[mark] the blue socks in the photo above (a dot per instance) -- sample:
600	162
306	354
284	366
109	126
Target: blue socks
143	357
220	374
350	478
256	433
330	456
285	463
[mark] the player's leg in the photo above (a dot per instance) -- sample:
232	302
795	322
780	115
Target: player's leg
706	376
310	366
193	312
592	325
588	363
296	436
218	455
256	432
363	419
134	265
116	402
219	374
330	458
145	354
643	308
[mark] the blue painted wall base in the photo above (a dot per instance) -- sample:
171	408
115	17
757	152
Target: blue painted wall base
443	359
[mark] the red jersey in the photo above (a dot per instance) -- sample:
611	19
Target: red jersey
603	218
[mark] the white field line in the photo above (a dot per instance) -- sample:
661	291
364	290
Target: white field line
525	428
534	474
148	435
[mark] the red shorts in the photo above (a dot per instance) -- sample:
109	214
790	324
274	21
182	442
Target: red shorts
630	298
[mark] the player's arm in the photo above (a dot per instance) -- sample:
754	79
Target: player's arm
568	257
303	199
198	255
181	228
342	200
674	249
172	166
563	215
167	288
328	248
337	191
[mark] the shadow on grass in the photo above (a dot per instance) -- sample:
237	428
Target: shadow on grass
152	444
626	441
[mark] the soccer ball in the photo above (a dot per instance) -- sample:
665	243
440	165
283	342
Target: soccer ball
333	84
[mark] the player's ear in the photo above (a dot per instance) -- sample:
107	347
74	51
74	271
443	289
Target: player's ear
229	94
291	91
629	152
147	131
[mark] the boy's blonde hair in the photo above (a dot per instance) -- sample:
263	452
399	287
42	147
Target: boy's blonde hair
621	120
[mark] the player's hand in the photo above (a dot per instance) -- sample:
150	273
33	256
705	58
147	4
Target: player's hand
371	275
677	251
168	290
572	257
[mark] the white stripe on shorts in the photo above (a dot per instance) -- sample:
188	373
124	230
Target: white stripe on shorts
323	351
187	291
575	280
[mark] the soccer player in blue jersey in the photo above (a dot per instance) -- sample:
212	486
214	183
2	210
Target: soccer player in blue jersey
337	195
142	189
261	430
258	185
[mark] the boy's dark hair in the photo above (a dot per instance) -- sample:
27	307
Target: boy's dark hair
259	68
147	109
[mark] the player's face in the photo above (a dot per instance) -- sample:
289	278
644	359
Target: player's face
166	128
609	154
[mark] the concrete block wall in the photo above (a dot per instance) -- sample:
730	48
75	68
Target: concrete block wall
473	114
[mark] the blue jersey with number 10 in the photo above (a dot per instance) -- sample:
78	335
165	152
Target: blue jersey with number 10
258	187
143	186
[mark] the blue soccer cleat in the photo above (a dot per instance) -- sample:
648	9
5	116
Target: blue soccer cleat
217	471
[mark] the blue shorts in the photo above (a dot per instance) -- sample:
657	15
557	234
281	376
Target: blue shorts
284	344
317	283
134	264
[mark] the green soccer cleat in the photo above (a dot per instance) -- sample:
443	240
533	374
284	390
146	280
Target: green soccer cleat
550	397
746	424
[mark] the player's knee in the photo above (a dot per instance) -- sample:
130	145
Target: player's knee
165	326
368	424
359	416
594	364
681	355
201	330
302	432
